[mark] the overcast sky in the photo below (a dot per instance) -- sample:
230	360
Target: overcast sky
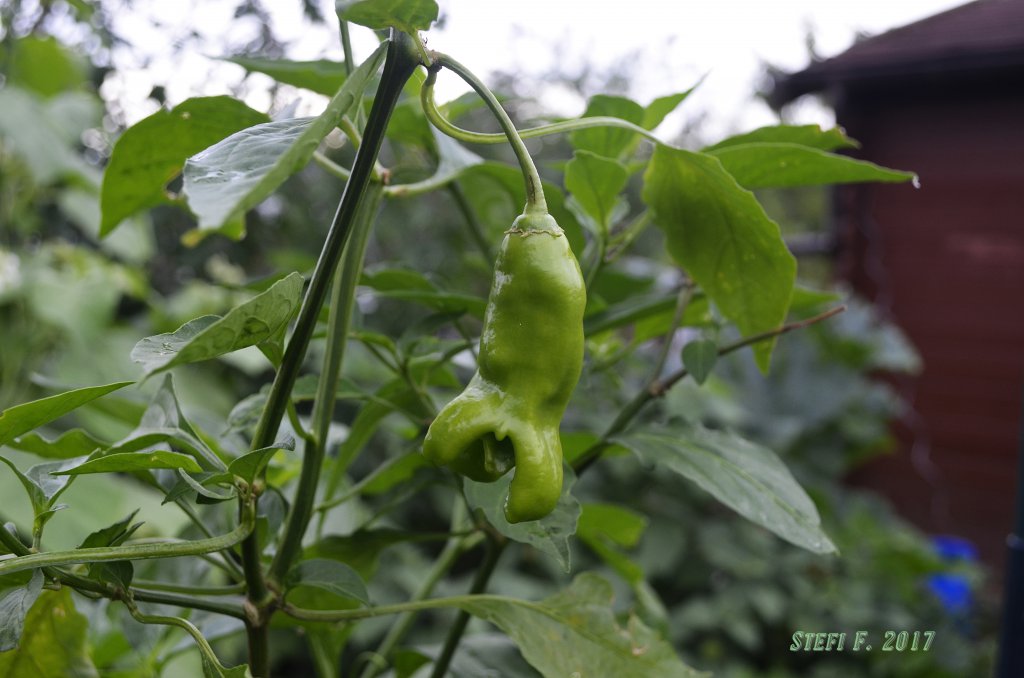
668	44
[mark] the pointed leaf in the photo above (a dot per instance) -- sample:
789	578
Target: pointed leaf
331	576
208	337
574	633
250	465
134	461
549	535
658	110
744	476
719	233
74	443
812	136
224	181
776	165
23	418
406	15
322	76
153	151
595	182
699	358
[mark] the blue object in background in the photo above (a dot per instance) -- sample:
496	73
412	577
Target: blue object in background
953	590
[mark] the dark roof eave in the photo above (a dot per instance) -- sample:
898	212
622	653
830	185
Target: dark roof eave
827	75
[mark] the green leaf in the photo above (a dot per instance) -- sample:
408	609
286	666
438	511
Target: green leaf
406	15
43	484
250	465
361	550
322	76
721	235
15	603
658	110
607	528
574	633
803	135
134	461
153	151
779	165
623	526
43	65
807	300
595	182
119	573
33	130
20	419
53	644
608	141
699	358
74	443
331	576
392	472
224	181
744	476
208	337
112	535
409	285
143	438
549	535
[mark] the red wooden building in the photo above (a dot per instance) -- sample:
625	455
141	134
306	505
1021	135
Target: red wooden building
943	97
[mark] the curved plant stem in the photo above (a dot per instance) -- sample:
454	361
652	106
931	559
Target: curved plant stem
339	320
437	118
189	627
535	202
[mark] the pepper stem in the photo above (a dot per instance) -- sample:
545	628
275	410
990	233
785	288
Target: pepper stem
535	202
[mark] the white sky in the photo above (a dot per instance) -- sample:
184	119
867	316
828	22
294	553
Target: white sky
678	41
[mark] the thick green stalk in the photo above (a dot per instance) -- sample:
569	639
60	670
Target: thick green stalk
134	552
402	59
339	320
535	202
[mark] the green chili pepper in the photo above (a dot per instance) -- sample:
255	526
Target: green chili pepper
531	355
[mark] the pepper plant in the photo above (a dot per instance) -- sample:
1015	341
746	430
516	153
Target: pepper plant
278	539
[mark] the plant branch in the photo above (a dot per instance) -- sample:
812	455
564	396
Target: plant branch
535	201
658	387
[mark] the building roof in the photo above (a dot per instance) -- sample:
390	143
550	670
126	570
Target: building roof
979	36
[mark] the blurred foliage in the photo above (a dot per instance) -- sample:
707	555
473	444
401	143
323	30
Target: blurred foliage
727	593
